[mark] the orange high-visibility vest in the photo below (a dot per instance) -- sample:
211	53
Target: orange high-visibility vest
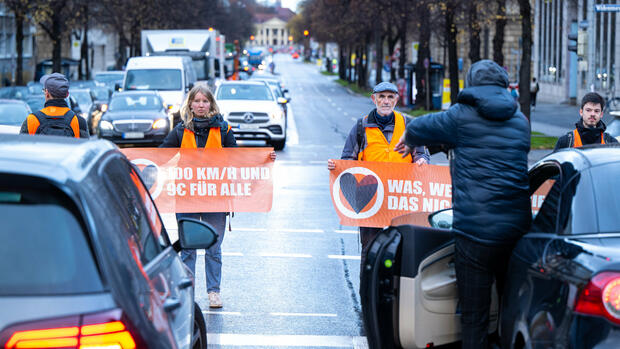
214	140
33	122
577	139
378	148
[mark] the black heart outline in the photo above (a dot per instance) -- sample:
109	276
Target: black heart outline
358	194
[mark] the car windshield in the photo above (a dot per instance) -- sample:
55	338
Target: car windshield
108	77
246	92
135	102
13	114
83	97
604	179
101	93
46	255
153	79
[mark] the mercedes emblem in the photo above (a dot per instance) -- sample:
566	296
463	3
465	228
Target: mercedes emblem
248	118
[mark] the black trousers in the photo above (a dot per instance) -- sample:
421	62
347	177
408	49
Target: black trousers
367	235
477	266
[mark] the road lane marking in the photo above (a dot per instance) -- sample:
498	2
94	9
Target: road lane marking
287	255
208	312
292	137
256	340
347	231
304	314
339	256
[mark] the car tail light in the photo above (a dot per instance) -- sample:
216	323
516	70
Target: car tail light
601	297
99	330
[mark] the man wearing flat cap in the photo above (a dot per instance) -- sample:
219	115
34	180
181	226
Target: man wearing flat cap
56	118
374	137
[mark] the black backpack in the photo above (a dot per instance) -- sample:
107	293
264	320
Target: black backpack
55	125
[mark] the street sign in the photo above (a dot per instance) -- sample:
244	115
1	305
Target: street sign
607	7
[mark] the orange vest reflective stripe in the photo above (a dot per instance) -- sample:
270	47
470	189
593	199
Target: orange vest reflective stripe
577	139
214	140
33	122
378	148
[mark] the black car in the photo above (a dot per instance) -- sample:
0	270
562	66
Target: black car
85	259
135	117
563	282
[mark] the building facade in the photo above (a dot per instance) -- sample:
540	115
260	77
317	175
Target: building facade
567	69
8	51
270	28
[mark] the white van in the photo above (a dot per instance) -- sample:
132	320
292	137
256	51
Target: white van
171	76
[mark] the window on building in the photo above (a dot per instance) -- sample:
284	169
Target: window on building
274	31
551	33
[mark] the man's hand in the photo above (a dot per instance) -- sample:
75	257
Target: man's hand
403	148
331	165
272	155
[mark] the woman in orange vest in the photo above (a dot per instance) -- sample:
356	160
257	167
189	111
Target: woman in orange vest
204	127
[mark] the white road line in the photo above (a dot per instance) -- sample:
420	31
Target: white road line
304	314
347	231
292	137
207	312
339	256
258	340
288	230
289	255
250	229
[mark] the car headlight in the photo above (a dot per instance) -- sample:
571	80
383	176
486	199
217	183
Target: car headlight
278	115
104	108
173	108
160	123
106	125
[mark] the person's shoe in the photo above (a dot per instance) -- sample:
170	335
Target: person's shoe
215	301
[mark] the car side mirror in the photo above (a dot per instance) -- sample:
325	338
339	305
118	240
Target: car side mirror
441	219
117	86
194	234
285	90
282	100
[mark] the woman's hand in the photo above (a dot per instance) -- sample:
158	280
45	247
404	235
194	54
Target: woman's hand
331	165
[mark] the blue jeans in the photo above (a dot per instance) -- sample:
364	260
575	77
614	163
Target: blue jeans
213	255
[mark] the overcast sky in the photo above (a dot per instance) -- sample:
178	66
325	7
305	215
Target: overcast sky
292	4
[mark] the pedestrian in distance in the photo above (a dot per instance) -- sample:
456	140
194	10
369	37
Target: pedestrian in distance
534	88
489	139
514	92
374	137
56	118
589	129
204	127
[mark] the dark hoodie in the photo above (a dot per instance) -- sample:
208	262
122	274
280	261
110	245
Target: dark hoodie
588	136
489	138
201	130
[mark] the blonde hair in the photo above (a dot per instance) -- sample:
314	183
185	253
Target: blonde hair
187	115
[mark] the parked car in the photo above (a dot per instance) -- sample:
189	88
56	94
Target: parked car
135	117
563	281
276	86
253	111
37	102
96	266
12	114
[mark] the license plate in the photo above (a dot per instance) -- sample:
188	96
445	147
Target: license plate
248	126
133	135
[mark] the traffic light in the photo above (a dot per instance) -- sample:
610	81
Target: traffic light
572	43
306	33
251	37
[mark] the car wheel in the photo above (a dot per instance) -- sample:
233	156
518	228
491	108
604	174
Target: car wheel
278	145
199	334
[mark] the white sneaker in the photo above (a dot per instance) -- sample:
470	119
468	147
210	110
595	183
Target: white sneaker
215	301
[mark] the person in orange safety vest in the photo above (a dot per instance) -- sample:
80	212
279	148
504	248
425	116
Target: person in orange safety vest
590	129
204	127
373	138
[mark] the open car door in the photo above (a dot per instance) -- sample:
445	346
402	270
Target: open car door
408	289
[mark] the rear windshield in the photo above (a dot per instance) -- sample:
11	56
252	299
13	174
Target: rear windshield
153	79
135	102
247	92
44	249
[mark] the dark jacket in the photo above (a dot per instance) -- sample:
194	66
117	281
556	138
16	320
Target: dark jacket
489	140
62	103
588	136
201	130
352	148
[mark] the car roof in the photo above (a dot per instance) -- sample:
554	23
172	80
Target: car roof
59	159
587	156
136	92
243	82
11	101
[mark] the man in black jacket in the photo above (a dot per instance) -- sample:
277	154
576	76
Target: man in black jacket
489	139
590	129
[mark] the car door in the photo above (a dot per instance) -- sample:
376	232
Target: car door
171	298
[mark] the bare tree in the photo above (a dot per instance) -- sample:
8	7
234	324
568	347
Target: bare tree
474	31
424	53
20	9
525	73
498	38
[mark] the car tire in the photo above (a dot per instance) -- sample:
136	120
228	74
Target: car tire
199	331
278	145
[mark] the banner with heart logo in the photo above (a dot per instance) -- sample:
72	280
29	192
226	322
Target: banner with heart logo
371	194
206	180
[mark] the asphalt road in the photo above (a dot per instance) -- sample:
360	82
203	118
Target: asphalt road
291	277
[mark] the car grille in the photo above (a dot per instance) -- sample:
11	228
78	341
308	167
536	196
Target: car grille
132	125
244	118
